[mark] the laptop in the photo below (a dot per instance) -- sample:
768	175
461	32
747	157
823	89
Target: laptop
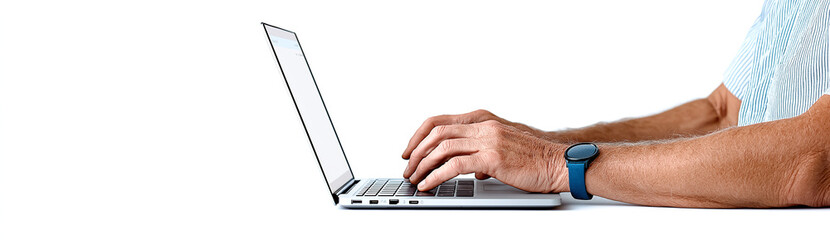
350	192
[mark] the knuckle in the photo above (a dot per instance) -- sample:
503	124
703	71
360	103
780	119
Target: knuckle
428	121
432	120
416	154
483	112
445	146
431	178
455	165
491	123
439	130
475	130
492	155
480	164
495	127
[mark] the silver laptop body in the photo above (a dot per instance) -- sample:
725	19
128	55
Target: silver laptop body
349	192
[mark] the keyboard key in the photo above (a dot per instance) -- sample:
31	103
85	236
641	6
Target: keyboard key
446	194
429	193
388	188
392	185
372	192
363	190
464	193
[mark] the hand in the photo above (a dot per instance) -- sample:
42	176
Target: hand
471	117
488	148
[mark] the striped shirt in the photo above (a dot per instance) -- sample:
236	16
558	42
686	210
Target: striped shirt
781	68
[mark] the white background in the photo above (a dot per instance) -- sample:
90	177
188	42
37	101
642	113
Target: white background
169	120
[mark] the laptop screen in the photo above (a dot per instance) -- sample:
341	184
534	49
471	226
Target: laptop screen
312	110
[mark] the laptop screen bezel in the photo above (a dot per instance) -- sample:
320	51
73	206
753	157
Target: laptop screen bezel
334	189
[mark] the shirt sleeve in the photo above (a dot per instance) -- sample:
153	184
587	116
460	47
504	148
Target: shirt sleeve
827	92
737	76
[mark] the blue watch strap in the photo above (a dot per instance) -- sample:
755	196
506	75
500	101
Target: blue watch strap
576	172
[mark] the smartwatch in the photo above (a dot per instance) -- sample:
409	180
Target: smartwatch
579	156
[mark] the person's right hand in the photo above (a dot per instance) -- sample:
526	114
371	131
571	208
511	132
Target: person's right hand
467	118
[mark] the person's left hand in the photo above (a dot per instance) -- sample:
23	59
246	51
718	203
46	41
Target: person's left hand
490	148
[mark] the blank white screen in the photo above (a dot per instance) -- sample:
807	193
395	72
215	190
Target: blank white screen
310	105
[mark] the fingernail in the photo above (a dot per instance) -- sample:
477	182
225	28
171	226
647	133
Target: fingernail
421	185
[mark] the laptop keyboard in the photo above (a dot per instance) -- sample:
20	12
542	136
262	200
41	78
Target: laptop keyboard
402	188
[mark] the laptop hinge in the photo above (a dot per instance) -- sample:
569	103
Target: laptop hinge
346	187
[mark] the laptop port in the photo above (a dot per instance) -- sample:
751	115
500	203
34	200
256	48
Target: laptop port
373	201
357	201
393	201
413	201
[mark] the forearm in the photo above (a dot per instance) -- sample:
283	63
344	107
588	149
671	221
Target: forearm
774	164
694	118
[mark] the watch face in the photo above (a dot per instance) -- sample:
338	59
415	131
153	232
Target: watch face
581	151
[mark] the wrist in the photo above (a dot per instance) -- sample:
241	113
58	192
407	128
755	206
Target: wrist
557	168
597	177
578	159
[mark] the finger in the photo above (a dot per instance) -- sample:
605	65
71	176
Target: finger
445	150
424	130
436	136
455	166
426	127
482	176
